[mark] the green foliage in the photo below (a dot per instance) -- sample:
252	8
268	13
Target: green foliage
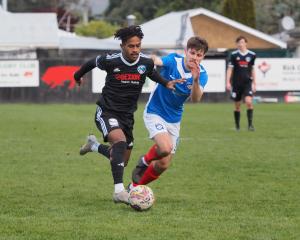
147	10
222	184
99	29
241	11
276	9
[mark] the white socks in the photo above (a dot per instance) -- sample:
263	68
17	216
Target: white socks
119	187
95	146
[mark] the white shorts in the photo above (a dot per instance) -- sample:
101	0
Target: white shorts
155	125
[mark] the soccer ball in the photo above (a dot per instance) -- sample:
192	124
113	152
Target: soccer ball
141	198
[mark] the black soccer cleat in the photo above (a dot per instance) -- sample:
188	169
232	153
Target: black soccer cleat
139	170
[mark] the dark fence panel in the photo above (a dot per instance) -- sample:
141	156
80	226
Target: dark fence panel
63	94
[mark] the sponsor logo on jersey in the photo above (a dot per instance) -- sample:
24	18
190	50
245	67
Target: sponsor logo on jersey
116	70
243	63
113	122
128	76
59	76
141	69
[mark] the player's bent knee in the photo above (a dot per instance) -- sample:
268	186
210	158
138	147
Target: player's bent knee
165	151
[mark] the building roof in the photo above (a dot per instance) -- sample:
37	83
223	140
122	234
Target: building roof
28	29
175	28
40	30
69	40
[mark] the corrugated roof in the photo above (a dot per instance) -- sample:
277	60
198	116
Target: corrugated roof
28	30
169	30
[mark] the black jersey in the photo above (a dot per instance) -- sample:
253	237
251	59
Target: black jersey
242	64
124	81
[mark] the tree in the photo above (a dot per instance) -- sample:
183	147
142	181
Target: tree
99	29
147	10
241	11
276	9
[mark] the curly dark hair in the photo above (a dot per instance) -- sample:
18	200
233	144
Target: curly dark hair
125	33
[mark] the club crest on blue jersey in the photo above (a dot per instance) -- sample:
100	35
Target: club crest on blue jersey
141	69
159	126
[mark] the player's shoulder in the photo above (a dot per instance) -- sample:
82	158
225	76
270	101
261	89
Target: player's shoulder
175	55
144	58
235	52
171	58
111	56
107	57
202	69
251	53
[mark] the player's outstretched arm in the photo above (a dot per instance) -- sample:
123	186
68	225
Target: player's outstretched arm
86	67
155	76
157	60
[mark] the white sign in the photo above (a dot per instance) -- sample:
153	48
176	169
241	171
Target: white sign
98	80
214	68
277	74
19	73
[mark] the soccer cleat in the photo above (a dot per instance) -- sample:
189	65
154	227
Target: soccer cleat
251	128
121	197
139	170
130	186
237	129
91	139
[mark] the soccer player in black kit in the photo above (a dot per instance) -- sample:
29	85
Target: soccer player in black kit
240	80
126	74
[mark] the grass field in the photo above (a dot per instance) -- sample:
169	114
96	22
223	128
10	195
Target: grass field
222	184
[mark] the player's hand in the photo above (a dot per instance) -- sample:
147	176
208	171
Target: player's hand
79	82
195	70
171	84
253	87
228	87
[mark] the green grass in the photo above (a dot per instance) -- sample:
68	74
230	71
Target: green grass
222	184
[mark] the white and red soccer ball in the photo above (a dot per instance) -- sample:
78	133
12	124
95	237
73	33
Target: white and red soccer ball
141	198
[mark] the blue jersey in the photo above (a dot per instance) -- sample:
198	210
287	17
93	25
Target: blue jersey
166	103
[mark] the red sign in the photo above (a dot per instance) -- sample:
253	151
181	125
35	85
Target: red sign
59	75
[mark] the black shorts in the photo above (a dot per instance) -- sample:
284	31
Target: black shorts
240	91
107	121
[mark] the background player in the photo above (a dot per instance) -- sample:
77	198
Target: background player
164	109
126	74
240	80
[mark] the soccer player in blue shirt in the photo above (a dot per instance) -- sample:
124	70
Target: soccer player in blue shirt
164	109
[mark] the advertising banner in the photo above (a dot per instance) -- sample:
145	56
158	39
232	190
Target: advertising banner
19	73
277	74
